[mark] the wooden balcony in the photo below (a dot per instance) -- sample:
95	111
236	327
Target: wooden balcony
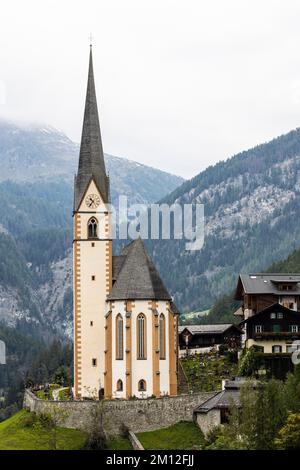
276	335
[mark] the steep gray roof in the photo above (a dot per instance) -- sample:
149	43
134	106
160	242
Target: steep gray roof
117	264
223	399
266	283
206	329
174	308
91	159
229	396
136	276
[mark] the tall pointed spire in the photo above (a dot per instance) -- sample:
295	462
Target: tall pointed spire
91	159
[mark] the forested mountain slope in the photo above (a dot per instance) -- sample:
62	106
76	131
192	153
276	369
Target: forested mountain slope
252	219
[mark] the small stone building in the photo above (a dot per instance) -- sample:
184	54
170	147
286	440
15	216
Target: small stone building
215	411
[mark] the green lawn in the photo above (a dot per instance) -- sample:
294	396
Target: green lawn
17	434
119	443
183	435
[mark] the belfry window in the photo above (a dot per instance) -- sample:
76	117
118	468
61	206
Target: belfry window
162	337
92	228
142	386
119	386
141	336
119	337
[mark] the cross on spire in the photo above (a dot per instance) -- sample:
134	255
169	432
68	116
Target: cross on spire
91	39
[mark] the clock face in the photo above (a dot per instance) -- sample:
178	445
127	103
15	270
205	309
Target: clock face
92	201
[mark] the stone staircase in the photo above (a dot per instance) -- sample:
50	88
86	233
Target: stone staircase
183	386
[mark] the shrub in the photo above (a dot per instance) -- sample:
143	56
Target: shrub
289	434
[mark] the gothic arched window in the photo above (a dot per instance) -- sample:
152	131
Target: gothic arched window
93	228
142	387
119	337
119	386
162	337
141	336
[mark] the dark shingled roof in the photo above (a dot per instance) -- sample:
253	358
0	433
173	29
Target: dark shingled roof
267	283
91	158
229	396
223	399
117	264
207	329
136	276
174	308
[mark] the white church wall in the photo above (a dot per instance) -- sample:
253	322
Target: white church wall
118	365
142	368
165	363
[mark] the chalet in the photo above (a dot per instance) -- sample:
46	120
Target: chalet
273	329
270	314
258	291
196	338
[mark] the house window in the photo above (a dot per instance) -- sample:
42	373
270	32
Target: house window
294	328
91	323
141	336
162	337
290	348
291	305
285	287
280	315
276	349
119	337
142	386
94	362
93	278
258	328
93	244
92	228
273	315
119	386
276	328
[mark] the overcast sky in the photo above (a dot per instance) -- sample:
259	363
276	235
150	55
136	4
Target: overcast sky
181	84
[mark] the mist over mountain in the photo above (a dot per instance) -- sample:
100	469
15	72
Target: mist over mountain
33	153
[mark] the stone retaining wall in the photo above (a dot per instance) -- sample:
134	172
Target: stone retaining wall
136	415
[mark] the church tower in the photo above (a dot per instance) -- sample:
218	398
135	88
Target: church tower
125	323
92	253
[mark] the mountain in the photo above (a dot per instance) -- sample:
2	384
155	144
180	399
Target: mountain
252	219
31	153
36	193
289	265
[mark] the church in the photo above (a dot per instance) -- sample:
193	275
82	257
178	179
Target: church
125	323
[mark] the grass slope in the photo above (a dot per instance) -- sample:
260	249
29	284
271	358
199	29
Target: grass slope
119	443
183	435
16	435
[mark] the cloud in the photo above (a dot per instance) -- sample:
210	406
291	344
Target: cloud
181	83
